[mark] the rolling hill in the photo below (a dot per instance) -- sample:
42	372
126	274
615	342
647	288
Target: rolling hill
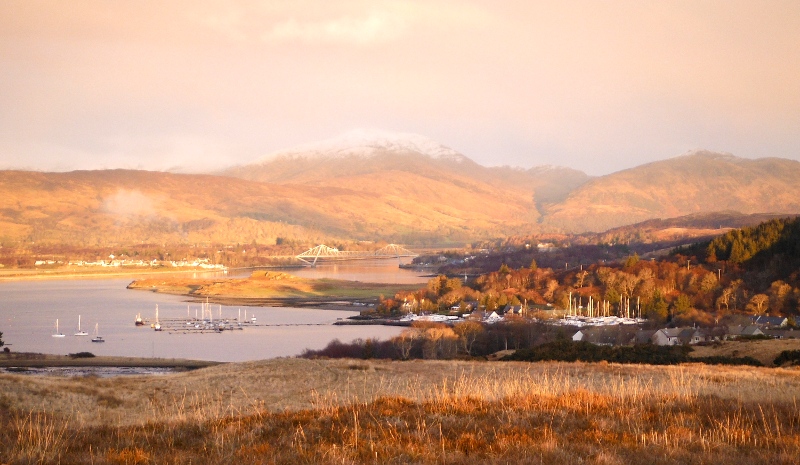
122	207
700	182
369	185
410	166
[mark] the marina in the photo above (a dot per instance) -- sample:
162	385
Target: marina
29	310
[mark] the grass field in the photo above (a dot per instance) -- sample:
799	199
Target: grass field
764	351
355	411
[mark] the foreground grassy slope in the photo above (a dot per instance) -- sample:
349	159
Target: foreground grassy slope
348	411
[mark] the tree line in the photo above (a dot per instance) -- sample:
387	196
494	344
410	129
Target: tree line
747	271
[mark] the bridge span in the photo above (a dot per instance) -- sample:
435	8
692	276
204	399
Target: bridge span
323	252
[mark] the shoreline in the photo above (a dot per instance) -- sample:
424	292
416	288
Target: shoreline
35	275
284	302
274	290
35	360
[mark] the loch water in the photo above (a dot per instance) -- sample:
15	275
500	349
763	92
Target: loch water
29	309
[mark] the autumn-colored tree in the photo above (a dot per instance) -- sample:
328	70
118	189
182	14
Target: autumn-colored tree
439	340
468	332
681	305
656	308
709	282
550	289
404	342
758	303
631	261
725	298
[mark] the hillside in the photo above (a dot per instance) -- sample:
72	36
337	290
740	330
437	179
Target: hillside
385	187
694	183
426	412
681	229
125	207
410	166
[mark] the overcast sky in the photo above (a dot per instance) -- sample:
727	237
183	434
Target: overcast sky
197	85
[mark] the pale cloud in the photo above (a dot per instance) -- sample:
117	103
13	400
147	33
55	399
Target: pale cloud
371	29
372	23
199	84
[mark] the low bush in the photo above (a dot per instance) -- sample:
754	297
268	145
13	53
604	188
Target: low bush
755	337
568	351
359	348
791	357
82	355
722	360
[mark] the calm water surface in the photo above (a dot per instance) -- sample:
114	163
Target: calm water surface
29	309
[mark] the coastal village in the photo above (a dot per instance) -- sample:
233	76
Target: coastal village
114	262
614	330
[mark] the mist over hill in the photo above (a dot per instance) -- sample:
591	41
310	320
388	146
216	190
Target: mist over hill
126	207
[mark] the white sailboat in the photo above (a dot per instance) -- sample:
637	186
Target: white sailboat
57	334
157	325
97	337
80	333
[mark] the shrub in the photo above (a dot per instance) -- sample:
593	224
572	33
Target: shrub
82	355
722	360
755	337
568	351
788	356
358	348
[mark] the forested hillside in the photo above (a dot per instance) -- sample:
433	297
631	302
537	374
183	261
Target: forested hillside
778	238
747	271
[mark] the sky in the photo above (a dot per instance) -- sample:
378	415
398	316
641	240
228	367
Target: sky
195	85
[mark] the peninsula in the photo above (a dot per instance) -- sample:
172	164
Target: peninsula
271	289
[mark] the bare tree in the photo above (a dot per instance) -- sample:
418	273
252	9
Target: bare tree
725	298
405	342
468	332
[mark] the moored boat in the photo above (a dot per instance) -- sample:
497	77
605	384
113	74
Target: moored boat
57	334
80	333
157	325
97	337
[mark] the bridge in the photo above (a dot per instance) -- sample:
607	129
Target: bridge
323	252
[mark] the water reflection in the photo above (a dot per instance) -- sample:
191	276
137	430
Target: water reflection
29	309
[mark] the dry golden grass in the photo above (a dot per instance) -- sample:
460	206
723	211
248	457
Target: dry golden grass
764	351
268	285
353	411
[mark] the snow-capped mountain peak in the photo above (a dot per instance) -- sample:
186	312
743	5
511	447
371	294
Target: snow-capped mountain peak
367	143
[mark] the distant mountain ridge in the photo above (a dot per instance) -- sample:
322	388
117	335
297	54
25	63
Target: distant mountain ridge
118	207
371	185
367	160
692	183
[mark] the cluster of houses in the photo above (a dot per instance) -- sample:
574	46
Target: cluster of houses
116	262
615	330
775	327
